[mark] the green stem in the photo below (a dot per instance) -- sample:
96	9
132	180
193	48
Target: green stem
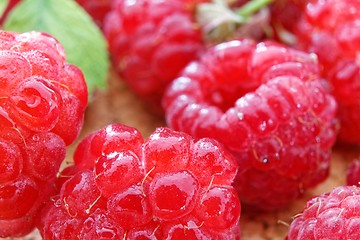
251	7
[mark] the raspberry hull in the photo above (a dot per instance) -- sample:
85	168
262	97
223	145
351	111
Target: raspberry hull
167	187
42	104
266	104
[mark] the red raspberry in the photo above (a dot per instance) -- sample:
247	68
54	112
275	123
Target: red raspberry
353	173
42	104
97	9
335	25
147	50
333	215
266	104
166	187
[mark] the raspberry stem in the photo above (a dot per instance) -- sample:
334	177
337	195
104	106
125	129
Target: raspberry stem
251	7
219	21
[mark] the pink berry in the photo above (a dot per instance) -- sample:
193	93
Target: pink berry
42	104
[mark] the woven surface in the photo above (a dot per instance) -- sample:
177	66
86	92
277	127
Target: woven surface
117	104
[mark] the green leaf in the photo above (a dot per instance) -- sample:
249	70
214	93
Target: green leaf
65	20
3	5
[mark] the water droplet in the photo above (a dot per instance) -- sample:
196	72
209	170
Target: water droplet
262	126
36	138
265	160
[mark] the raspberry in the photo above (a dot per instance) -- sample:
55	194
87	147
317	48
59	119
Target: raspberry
266	103
333	215
353	173
96	8
147	50
42	104
167	187
330	25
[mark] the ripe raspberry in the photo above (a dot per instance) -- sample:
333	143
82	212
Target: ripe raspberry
147	50
333	215
96	8
329	24
166	187
42	104
266	104
353	173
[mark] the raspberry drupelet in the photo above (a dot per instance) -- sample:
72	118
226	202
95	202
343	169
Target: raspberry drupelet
42	104
266	103
124	187
331	29
333	215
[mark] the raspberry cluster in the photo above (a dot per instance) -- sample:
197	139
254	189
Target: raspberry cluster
167	187
333	215
267	104
329	24
151	41
248	119
42	104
